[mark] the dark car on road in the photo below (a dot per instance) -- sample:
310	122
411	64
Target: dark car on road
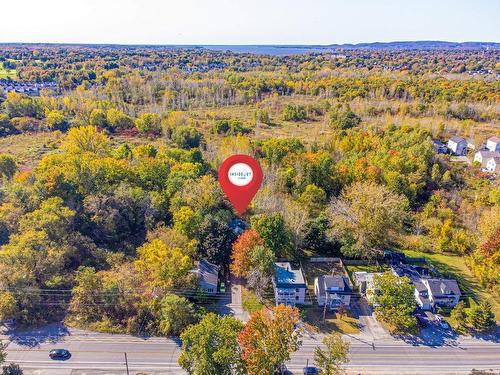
59	354
309	370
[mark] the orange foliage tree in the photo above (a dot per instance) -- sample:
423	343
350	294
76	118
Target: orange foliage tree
268	339
242	252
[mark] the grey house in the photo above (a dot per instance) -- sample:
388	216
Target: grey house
457	146
334	291
208	276
431	293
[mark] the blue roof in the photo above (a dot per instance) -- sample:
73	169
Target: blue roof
286	277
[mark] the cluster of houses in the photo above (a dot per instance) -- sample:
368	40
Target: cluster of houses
488	155
334	290
26	87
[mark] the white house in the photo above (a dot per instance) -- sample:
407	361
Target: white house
333	291
493	144
289	285
208	276
431	293
365	283
483	156
493	164
457	146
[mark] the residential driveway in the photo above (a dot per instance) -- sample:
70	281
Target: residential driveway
230	303
369	325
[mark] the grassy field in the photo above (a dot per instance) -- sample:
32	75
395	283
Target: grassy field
453	266
28	149
313	318
4	73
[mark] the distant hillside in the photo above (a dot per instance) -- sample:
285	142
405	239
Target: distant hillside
421	44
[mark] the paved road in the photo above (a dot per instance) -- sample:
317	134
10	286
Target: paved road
94	353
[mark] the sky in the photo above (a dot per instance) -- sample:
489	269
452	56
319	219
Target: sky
247	21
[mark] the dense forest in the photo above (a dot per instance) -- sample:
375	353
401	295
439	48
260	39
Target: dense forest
108	190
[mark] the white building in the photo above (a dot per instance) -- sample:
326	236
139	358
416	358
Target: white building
333	291
289	284
431	293
365	283
492	165
457	146
483	156
493	144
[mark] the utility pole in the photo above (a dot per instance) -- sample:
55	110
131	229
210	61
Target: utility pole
126	362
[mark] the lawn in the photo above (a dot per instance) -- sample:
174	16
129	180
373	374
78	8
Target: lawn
28	149
453	266
4	73
313	319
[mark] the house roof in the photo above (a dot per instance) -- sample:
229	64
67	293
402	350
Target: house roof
457	139
336	281
286	277
494	139
207	272
442	287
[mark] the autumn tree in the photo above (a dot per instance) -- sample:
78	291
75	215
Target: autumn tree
164	266
86	139
367	218
331	359
268	339
175	314
211	346
395	302
242	252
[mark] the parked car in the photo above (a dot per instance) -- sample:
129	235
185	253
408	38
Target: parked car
309	370
280	370
222	287
59	354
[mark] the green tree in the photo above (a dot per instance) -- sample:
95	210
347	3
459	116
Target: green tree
186	137
8	166
211	348
344	118
395	302
294	113
56	120
118	120
149	123
12	369
459	318
331	359
176	313
481	317
98	118
273	230
215	240
367	218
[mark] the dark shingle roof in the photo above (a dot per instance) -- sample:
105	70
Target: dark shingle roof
442	287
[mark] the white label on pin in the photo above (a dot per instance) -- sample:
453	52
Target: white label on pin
240	174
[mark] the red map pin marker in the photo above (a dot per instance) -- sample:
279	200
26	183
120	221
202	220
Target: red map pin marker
240	177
